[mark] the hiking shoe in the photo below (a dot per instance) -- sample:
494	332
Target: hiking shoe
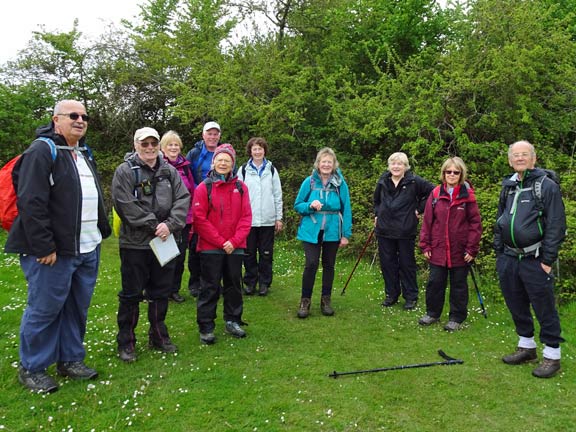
263	290
304	309
234	329
127	355
410	304
521	355
249	289
326	305
452	326
166	346
207	338
39	382
76	370
547	369
389	301
427	320
176	297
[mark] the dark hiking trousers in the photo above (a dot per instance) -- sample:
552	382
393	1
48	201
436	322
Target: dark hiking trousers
436	292
258	256
312	252
217	268
398	267
524	283
141	273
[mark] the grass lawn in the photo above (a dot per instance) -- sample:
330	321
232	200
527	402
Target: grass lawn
277	378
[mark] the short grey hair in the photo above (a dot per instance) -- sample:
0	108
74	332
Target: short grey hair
59	104
400	157
326	151
530	146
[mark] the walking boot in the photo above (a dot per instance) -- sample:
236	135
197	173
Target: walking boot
304	309
521	355
326	306
547	369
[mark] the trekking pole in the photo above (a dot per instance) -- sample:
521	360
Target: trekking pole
447	362
357	262
478	291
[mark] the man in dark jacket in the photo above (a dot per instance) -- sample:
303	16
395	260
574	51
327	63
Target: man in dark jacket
527	239
200	158
153	202
399	198
57	233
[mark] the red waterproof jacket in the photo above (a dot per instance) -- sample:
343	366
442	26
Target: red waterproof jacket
451	228
226	216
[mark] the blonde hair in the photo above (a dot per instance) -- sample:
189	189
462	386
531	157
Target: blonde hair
458	164
169	137
400	157
326	151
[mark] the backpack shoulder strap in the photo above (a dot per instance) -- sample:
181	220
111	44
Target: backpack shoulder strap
239	187
243	169
272	170
52	145
435	195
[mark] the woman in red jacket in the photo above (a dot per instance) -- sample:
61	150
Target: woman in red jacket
222	219
450	240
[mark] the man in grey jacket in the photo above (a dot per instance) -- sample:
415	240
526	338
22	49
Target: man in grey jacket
152	201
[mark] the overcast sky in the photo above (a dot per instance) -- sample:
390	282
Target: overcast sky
21	17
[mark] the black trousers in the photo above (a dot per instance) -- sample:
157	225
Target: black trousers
219	272
193	264
436	291
258	256
180	259
398	267
525	284
312	253
140	271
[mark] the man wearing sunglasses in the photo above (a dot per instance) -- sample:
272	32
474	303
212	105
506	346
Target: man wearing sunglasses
58	231
152	201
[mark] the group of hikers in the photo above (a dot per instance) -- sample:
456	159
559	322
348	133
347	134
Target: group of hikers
225	217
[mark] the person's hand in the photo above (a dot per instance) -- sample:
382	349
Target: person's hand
468	258
418	215
162	231
278	226
228	247
427	254
546	268
343	242
316	205
48	259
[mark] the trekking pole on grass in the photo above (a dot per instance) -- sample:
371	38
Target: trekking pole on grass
447	362
478	291
357	262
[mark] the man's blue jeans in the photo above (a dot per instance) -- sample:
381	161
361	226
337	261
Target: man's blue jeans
54	321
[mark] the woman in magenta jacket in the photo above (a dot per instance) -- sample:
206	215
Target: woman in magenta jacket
171	146
222	219
450	240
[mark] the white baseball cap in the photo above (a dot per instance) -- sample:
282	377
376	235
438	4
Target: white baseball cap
211	125
146	132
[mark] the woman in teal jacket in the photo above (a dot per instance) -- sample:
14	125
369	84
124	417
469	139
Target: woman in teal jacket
324	204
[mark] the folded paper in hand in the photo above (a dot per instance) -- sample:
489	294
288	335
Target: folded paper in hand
166	250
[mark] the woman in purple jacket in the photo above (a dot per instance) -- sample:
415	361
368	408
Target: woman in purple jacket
450	240
171	146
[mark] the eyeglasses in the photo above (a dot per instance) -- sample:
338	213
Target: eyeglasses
524	155
74	116
145	144
450	172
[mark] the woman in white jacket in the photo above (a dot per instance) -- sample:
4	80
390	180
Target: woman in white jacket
265	190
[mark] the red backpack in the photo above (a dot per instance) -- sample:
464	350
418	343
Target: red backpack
8	208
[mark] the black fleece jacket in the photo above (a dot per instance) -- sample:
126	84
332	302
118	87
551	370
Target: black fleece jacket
49	216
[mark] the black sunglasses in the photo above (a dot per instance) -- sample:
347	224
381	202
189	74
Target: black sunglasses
145	144
74	116
452	172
